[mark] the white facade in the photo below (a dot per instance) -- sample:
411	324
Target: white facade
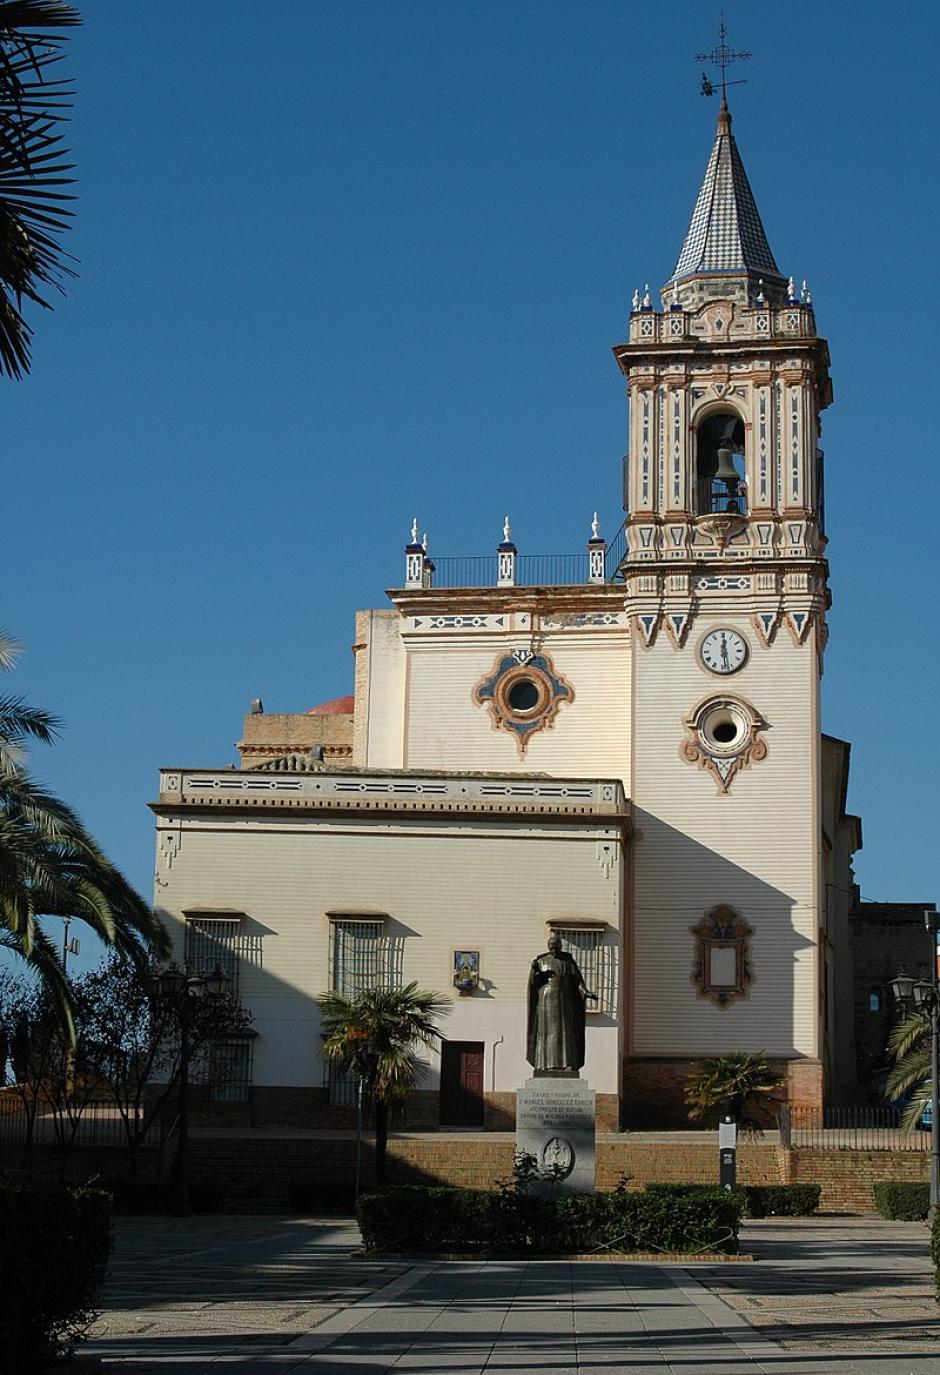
635	755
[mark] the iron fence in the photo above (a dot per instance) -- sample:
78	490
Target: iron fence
532	570
73	1124
614	554
849	1129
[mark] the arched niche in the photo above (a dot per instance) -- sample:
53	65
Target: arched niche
712	430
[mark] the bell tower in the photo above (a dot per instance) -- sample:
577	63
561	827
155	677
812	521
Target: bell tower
726	591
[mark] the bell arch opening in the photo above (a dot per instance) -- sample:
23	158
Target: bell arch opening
720	465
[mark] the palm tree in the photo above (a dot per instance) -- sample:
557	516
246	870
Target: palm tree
739	1084
33	171
51	866
909	1046
374	1035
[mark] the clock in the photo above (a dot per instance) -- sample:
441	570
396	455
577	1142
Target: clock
723	651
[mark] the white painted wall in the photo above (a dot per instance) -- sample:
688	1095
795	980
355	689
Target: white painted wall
488	885
754	848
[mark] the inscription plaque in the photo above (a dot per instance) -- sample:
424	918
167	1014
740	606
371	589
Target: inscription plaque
555	1124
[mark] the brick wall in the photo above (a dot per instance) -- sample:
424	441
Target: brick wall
278	1106
269	1174
653	1090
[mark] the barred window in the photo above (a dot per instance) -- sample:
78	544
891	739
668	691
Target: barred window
342	1086
597	961
213	943
230	1070
358	955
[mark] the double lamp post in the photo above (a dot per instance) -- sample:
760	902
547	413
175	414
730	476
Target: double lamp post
925	997
175	988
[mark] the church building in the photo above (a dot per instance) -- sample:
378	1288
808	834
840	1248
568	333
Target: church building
622	746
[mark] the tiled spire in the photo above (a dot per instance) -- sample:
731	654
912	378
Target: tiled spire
725	239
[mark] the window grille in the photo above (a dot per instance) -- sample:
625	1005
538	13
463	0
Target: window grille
358	956
213	943
342	1085
230	1070
597	962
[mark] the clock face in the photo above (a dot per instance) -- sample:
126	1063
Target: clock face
724	651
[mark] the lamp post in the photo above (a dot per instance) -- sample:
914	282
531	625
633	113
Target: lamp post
176	987
365	1065
925	997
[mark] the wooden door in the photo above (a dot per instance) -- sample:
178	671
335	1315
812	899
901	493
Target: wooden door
462	1084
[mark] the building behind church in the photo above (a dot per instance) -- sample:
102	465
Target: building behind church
622	745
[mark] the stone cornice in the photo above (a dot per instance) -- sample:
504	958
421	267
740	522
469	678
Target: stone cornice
424	601
429	794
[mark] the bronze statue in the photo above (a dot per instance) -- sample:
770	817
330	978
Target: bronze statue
557	1000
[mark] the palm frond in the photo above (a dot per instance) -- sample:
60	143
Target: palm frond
34	171
9	649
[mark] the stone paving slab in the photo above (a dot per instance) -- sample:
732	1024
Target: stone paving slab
859	1284
253	1296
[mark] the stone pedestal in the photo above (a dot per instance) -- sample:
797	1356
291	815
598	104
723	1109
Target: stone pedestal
555	1123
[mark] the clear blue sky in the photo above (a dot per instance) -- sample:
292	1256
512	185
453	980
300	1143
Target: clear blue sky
341	263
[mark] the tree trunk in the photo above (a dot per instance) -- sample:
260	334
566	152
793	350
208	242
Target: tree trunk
381	1141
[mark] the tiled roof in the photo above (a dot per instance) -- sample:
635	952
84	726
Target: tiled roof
339	706
725	233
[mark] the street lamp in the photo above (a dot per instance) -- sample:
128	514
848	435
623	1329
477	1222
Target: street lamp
925	997
177	988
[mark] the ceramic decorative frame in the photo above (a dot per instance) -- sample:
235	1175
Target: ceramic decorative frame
509	669
724	762
722	929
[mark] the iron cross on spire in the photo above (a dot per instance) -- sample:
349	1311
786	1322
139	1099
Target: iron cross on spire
721	57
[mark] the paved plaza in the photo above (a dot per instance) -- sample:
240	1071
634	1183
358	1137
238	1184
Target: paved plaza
847	1296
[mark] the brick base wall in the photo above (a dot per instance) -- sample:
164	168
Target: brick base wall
265	1175
291	1174
653	1090
272	1106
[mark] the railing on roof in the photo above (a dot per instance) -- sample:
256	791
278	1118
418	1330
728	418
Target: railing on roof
531	570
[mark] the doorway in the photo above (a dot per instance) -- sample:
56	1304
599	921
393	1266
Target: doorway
462	1084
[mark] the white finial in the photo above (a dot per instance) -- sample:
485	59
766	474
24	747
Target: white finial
507	530
803	290
595	527
647	298
636	300
424	542
808	298
760	292
791	289
414	531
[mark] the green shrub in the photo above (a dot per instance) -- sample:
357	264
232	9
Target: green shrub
413	1218
902	1202
54	1247
781	1200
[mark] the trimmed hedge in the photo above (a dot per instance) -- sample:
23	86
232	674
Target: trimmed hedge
781	1200
54	1248
902	1202
764	1200
417	1219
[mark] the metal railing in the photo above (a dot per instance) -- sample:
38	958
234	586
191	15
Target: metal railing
848	1129
615	552
532	570
72	1124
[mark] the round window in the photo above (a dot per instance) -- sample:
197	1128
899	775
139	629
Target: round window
523	695
724	728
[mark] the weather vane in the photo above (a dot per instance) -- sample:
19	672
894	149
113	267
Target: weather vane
721	57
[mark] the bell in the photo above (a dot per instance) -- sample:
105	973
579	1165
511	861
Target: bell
726	472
